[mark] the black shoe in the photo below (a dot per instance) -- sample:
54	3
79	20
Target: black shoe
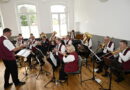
19	83
8	85
119	80
99	71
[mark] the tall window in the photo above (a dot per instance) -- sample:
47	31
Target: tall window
59	19
1	26
28	20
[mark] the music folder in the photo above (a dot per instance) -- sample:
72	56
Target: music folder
53	59
24	53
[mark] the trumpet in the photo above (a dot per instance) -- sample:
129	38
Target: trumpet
116	51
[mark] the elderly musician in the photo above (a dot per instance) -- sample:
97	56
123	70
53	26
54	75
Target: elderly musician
7	50
70	62
121	61
106	47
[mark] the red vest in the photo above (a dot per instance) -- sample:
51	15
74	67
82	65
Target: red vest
5	54
126	65
72	66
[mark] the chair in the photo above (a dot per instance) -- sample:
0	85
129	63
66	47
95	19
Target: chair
77	72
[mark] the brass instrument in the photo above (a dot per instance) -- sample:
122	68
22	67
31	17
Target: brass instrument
42	35
53	35
86	36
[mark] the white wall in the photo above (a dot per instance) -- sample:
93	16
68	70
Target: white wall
9	13
110	18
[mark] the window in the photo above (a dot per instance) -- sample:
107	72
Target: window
59	19
28	20
1	26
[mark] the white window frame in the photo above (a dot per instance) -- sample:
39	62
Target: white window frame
66	14
18	17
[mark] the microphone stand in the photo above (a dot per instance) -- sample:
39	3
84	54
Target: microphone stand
93	76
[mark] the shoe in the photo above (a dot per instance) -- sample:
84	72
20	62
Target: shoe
99	71
8	85
119	80
19	83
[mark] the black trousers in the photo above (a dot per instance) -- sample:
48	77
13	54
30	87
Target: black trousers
117	69
11	69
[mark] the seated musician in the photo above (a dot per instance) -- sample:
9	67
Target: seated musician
70	63
31	45
107	46
59	50
45	44
121	62
68	40
86	43
20	40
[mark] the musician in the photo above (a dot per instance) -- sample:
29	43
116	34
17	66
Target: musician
45	45
31	45
121	62
86	43
7	50
72	34
59	50
108	47
68	40
71	62
20	40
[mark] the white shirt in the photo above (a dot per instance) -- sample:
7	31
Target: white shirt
69	58
69	42
8	44
107	48
89	44
124	58
62	48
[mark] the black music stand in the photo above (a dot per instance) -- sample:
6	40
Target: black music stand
41	71
93	77
53	79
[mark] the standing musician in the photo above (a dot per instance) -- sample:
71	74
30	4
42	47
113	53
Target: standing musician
7	50
107	46
121	62
86	43
68	40
72	34
70	62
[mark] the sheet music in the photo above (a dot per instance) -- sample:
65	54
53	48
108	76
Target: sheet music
24	52
53	59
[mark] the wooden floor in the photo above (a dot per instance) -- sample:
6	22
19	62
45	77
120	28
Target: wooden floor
38	84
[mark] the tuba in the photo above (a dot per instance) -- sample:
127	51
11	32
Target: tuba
42	35
86	36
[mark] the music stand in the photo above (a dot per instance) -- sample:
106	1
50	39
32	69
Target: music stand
93	77
41	71
53	64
